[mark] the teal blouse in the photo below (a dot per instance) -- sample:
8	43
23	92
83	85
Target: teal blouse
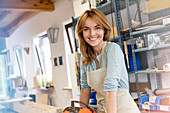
116	75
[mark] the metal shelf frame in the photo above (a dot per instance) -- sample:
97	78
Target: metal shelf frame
132	43
154	48
105	8
152	29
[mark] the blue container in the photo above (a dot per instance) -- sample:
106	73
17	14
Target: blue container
157	103
93	98
156	106
143	99
138	59
138	63
33	96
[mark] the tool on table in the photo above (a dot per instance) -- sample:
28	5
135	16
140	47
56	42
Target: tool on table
73	109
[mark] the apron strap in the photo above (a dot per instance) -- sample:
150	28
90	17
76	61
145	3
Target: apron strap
87	68
103	55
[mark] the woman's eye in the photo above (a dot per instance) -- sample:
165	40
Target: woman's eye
85	29
97	27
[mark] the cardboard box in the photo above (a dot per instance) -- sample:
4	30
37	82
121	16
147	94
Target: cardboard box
42	98
142	86
155	5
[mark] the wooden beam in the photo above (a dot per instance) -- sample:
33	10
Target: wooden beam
3	34
26	5
24	17
3	15
52	1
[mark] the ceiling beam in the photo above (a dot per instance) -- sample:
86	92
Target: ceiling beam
52	1
27	5
3	15
21	19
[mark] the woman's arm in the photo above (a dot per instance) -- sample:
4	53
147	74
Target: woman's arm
111	101
85	96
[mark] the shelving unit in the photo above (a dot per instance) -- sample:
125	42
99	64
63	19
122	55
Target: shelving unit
144	30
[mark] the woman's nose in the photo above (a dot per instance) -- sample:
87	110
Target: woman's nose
92	32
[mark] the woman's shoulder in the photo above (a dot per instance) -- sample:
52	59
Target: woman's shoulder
112	45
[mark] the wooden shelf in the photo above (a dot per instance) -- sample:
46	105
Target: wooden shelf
44	89
67	88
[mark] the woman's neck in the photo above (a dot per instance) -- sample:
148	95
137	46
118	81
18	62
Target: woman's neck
98	50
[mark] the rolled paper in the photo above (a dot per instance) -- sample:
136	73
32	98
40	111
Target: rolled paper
166	67
165	91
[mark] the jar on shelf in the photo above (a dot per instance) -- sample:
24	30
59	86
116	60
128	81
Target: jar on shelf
139	42
145	40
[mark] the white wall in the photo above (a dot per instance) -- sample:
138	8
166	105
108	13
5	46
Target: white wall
34	27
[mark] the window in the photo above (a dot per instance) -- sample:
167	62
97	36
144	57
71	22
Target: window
3	75
71	47
20	68
43	55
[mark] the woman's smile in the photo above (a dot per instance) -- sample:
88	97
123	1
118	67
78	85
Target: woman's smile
92	39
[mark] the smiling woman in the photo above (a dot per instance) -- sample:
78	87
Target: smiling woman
103	68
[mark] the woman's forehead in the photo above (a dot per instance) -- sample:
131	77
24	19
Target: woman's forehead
91	21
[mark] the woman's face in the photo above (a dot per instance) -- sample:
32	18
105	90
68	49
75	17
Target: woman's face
93	33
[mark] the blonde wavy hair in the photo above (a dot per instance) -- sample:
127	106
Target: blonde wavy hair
98	17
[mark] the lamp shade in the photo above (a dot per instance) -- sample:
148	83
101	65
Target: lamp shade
52	34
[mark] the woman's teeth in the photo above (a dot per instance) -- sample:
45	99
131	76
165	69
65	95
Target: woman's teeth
93	38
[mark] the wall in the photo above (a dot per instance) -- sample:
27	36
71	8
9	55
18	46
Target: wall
2	44
34	27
